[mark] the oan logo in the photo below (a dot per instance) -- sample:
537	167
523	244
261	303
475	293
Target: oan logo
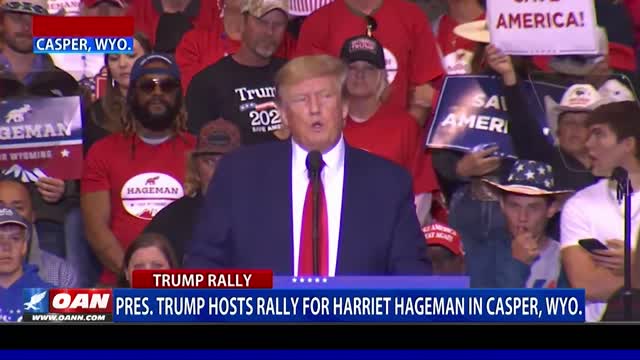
36	300
144	195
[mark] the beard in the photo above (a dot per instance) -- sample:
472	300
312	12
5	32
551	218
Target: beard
20	43
155	121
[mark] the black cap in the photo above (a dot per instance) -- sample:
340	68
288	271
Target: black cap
363	48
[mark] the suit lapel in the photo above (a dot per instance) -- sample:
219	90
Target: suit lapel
279	184
348	250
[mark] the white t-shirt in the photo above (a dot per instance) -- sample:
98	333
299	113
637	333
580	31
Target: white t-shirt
594	212
545	271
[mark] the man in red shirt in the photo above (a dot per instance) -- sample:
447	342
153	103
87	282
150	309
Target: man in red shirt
202	47
411	55
130	176
383	128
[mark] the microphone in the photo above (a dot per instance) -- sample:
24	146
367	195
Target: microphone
314	164
621	176
314	161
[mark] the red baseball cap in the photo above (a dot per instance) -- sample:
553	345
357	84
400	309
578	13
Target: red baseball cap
442	235
92	3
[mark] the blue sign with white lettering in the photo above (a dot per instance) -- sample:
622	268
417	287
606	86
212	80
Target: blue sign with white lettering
472	113
337	306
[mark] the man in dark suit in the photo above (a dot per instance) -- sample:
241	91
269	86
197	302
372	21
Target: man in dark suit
257	213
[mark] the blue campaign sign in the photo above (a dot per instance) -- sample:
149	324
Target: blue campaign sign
472	113
337	306
41	137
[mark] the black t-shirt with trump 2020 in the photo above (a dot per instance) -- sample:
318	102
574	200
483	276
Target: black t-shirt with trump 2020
243	95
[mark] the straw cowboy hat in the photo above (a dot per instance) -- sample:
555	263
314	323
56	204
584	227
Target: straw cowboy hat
531	178
33	7
585	98
477	31
577	98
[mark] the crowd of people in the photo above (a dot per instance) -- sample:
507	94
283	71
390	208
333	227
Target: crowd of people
196	151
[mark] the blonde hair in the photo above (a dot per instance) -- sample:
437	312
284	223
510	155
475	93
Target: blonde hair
310	67
192	180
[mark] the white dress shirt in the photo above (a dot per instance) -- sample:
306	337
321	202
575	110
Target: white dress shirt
332	179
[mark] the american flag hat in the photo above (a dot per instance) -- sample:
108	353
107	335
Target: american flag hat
528	177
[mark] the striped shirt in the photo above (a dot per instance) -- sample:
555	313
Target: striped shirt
306	7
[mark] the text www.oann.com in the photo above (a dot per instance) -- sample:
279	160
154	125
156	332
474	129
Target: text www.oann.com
69	317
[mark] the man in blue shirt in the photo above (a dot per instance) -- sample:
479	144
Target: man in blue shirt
528	258
15	274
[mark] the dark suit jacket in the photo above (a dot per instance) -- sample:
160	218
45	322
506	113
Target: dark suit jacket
246	219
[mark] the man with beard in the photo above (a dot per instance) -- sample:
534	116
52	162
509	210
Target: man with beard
130	176
240	87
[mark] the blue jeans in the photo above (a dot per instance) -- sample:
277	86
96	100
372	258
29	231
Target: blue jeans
79	253
481	226
51	237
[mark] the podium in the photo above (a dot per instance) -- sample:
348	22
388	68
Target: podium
371	282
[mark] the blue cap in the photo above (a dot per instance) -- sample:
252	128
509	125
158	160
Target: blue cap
11	216
138	70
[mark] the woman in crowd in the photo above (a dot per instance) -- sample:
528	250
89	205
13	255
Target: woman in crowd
148	252
380	127
104	115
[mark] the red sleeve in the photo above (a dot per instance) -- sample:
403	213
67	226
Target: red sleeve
424	177
189	55
425	64
312	39
95	175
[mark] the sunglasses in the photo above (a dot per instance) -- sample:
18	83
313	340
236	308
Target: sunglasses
165	85
372	25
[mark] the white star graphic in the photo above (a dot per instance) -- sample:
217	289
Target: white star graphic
520	168
510	178
530	175
317	280
547	183
541	170
294	280
324	280
64	153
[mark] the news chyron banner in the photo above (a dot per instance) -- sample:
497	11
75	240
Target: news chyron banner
83	35
186	296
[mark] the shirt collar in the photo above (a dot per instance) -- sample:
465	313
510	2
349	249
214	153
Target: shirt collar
333	159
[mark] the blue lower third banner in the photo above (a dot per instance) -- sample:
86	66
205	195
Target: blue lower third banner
337	306
80	45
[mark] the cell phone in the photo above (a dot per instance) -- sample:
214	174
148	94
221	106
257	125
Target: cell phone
592	244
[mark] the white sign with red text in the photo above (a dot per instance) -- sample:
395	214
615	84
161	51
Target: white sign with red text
543	27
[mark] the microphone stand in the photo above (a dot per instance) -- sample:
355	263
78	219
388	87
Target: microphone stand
624	193
315	236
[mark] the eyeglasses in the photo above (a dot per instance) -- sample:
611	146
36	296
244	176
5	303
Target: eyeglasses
166	85
372	25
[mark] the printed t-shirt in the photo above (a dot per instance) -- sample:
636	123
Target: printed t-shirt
403	30
141	180
457	52
392	133
241	94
